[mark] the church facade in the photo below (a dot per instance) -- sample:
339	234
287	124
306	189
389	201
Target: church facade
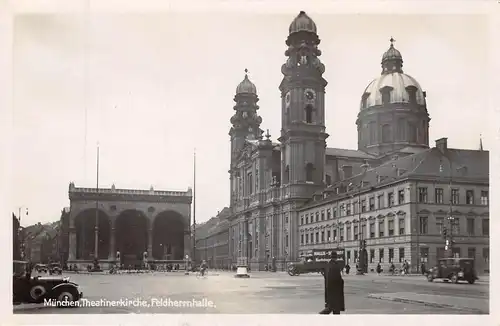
276	187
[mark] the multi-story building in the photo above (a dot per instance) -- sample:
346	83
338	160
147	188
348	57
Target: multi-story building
212	240
402	207
273	186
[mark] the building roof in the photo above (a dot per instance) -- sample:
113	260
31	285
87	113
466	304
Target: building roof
352	153
213	225
466	165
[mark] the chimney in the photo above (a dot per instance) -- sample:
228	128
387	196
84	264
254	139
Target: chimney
442	144
347	170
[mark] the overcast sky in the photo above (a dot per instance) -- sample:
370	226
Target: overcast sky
160	85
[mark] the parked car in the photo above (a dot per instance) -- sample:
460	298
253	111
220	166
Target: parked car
28	289
41	268
454	270
314	262
55	268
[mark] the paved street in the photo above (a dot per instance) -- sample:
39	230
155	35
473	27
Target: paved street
267	292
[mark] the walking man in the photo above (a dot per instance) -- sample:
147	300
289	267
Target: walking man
334	288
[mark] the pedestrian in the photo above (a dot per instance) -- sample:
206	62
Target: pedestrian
334	288
379	268
422	268
347	269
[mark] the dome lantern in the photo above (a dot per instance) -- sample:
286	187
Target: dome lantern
392	60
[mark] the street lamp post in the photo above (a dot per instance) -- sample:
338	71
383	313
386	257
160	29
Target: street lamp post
448	234
361	255
21	232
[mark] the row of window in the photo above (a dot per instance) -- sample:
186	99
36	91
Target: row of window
424	254
455	226
355	207
454	196
322	237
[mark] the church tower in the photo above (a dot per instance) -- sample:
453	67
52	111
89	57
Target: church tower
245	124
303	135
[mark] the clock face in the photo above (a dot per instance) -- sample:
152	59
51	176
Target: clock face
310	94
287	99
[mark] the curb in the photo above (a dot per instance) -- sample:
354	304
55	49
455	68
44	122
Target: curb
425	303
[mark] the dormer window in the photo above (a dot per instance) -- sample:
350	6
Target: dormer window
364	100
386	95
309	113
412	94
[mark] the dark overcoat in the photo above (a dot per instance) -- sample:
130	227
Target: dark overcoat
334	286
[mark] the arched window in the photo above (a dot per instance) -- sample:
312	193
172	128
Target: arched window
309	171
309	113
386	133
286	175
373	132
401	129
328	180
412	132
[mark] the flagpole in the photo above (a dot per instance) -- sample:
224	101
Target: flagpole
96	244
194	206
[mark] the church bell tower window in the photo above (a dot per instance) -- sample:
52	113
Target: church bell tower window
309	113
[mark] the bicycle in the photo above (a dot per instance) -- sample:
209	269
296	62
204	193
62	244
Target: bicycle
199	275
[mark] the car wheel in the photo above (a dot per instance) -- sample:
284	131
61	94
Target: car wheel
471	281
37	292
66	295
430	278
454	278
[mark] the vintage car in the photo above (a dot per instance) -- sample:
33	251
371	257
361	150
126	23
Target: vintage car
38	289
314	261
55	268
454	270
41	268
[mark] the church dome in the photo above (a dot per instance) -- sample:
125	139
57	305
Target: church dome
393	86
402	88
302	23
246	86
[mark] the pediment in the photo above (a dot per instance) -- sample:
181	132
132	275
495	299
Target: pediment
441	212
372	217
380	216
485	214
423	211
391	214
400	212
471	213
455	213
